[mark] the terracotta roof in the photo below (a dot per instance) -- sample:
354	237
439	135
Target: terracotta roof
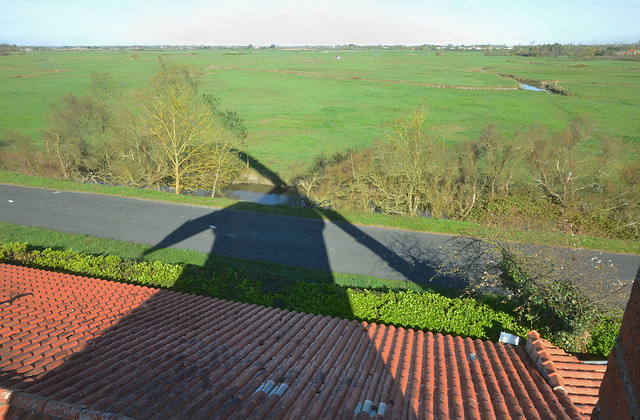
580	381
73	347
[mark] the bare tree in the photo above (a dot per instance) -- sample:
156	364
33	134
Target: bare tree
134	159
499	157
67	135
557	166
105	92
80	129
470	182
178	121
214	165
412	173
21	153
559	290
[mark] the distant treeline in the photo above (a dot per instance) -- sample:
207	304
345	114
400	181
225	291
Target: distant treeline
628	51
5	49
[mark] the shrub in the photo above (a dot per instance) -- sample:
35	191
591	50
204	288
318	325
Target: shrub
558	291
251	292
603	336
197	281
153	273
429	311
517	211
319	299
15	251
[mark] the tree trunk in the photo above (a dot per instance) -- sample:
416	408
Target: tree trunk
215	184
177	176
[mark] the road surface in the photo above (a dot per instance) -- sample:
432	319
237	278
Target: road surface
308	243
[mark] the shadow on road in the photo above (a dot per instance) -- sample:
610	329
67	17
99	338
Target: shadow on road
251	236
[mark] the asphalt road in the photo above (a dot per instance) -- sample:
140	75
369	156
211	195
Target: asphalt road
308	243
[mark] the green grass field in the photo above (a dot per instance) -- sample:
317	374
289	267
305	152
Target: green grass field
298	103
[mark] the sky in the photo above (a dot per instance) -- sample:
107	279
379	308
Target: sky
317	22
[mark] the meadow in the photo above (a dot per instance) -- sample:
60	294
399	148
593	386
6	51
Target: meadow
299	103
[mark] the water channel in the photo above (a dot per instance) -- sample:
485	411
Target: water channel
263	194
533	88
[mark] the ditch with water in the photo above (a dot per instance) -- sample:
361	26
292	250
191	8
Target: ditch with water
533	88
264	194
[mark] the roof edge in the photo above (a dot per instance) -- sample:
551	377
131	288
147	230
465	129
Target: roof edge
543	362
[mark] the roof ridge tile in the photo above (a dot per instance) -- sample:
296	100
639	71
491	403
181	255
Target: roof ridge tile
565	373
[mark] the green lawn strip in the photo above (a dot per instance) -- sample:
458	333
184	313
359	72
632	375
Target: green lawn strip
418	224
273	276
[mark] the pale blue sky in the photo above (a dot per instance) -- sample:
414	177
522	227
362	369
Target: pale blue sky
317	22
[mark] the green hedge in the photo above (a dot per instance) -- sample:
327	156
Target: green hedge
433	312
466	317
154	273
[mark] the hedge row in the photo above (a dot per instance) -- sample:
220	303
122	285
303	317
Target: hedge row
466	317
154	273
428	311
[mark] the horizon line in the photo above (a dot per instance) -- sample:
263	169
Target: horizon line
274	45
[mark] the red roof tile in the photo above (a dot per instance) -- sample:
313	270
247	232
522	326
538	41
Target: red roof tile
73	347
581	381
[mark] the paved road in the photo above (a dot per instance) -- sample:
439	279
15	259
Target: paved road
308	243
